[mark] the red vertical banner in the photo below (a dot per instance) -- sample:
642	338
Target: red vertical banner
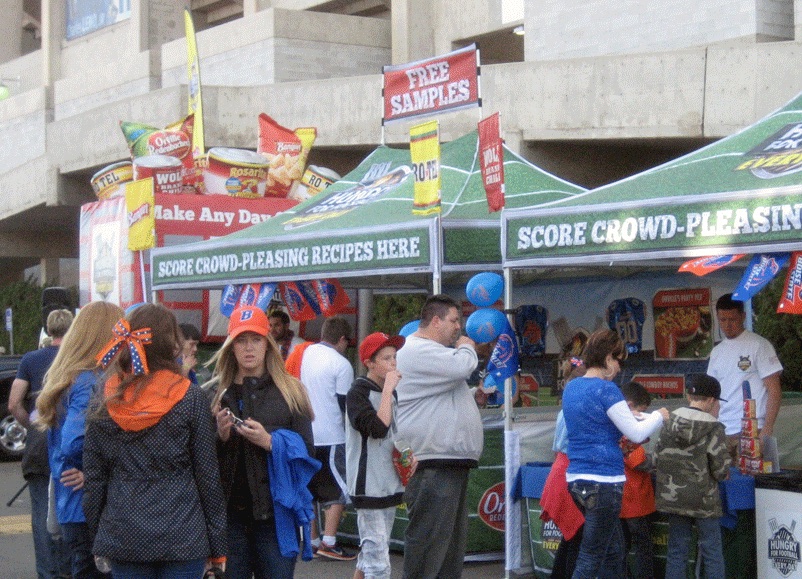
791	299
491	161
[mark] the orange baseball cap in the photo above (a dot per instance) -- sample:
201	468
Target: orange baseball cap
248	319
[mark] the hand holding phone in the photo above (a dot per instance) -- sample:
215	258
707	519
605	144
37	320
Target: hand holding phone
237	421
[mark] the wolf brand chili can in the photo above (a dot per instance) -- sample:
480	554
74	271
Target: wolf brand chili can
167	172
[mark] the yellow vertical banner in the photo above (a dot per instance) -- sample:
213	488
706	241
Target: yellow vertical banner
424	149
193	75
140	214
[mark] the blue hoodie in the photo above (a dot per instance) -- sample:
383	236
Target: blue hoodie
290	469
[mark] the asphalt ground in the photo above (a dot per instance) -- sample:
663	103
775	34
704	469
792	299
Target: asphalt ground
17	558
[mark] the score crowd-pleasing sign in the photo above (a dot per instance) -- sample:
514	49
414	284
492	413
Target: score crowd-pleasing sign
444	83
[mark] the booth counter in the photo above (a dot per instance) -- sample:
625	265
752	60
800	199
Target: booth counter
738	525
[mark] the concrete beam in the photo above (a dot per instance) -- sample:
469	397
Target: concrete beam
38	244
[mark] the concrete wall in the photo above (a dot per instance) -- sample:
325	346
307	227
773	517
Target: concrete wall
280	46
697	94
657	80
23	122
579	28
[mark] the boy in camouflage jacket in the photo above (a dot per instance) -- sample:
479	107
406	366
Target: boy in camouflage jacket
691	458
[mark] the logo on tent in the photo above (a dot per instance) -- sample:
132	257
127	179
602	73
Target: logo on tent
341	202
779	155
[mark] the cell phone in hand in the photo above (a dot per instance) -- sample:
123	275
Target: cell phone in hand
237	421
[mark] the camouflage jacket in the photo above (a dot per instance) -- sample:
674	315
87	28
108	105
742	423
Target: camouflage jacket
691	457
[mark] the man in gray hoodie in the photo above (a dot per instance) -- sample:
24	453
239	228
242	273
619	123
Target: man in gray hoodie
437	415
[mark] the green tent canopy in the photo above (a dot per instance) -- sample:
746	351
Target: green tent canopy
741	194
363	226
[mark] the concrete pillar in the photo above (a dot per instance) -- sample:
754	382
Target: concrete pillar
49	271
250	7
10	30
513	139
365	314
153	23
413	24
54	24
798	20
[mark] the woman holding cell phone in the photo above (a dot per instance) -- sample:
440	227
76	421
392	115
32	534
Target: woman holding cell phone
254	396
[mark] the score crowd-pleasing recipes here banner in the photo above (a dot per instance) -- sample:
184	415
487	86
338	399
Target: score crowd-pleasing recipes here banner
639	229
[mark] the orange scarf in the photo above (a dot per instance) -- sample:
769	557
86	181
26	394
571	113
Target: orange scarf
163	390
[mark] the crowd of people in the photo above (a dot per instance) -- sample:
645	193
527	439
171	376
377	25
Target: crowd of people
136	469
604	489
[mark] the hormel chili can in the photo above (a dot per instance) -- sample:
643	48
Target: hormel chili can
109	181
167	172
750	408
749	427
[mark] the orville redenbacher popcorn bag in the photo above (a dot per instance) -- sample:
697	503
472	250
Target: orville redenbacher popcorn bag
175	140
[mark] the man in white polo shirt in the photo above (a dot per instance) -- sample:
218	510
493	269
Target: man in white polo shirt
744	357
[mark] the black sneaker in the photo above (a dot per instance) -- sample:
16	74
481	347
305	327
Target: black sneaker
334	552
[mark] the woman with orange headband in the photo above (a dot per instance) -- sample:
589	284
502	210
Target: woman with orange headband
62	405
152	494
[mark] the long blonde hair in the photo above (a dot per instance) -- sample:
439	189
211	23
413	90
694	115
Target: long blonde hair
225	371
89	332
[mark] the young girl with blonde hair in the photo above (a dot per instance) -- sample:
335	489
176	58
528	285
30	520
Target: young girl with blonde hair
62	406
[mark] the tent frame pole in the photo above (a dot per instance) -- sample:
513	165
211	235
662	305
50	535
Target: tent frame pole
509	534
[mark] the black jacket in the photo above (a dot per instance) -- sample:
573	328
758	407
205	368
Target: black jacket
163	485
263	402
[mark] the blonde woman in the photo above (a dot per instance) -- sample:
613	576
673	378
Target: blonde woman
254	397
62	405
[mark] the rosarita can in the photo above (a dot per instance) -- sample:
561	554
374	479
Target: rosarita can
235	172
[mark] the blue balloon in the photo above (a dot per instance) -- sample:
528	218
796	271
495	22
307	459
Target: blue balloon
485	325
409	328
484	289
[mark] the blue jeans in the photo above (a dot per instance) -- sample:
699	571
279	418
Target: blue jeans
52	558
253	549
601	553
79	542
679	542
158	570
638	532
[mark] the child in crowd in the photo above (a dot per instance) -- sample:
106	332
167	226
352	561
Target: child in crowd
555	501
691	458
373	483
637	505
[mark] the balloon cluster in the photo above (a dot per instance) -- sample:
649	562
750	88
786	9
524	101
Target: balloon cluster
486	323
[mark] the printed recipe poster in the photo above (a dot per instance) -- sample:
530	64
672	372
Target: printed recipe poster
683	324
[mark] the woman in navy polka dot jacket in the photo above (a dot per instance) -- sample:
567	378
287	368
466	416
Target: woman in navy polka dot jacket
153	492
254	388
